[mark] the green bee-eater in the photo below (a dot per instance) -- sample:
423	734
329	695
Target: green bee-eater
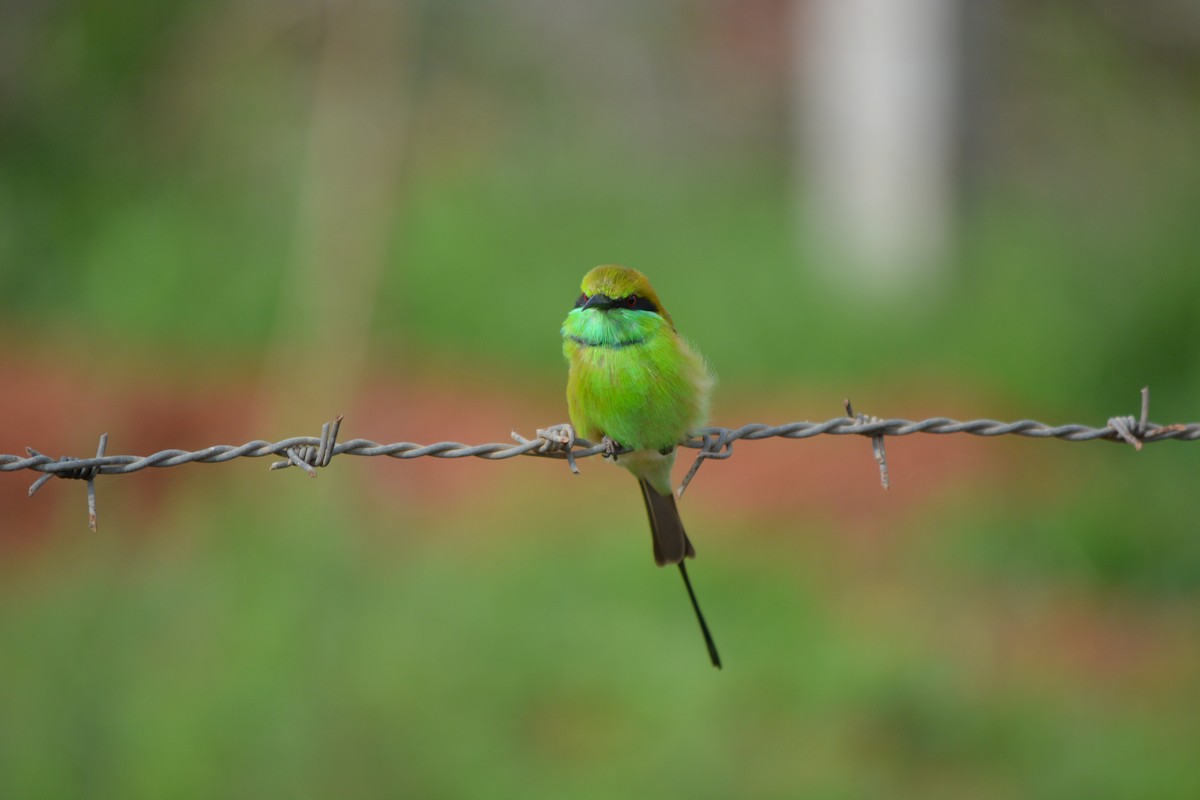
636	385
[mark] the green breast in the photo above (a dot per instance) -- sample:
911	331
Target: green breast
635	382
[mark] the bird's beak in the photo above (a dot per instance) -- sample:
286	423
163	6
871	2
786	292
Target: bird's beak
599	301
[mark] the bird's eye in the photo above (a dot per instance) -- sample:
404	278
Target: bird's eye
583	298
631	301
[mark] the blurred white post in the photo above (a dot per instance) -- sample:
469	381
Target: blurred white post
876	137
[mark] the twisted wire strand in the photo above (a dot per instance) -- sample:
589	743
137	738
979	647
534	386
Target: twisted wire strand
712	440
559	441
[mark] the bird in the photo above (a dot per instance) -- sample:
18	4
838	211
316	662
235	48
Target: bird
638	387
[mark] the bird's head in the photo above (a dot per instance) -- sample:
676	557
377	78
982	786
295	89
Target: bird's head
612	287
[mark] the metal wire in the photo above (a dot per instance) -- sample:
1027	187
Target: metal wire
217	454
559	441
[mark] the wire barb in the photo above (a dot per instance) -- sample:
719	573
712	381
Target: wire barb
714	443
876	440
558	438
1139	431
308	457
74	469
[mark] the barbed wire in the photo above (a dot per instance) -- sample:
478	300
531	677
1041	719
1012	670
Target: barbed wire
560	441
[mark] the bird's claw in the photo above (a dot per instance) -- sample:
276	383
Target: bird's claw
611	447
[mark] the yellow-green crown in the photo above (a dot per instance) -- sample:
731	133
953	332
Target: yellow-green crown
619	282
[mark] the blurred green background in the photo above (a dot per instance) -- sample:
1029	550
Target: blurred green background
228	221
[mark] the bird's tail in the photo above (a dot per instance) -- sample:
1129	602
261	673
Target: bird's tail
671	543
713	655
672	546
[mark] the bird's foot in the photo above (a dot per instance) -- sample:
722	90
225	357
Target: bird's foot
611	447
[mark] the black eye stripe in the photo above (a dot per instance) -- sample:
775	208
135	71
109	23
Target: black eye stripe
602	302
640	303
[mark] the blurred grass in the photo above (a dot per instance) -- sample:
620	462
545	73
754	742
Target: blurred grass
264	648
